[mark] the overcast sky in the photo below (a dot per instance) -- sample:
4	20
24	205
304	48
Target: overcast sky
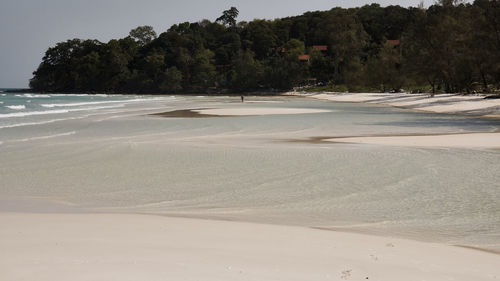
29	27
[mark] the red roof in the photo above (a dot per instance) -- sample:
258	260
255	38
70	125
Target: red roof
320	47
304	57
393	42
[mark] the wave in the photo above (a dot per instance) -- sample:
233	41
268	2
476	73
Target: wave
70	95
34	96
85	95
16	107
52	105
58	111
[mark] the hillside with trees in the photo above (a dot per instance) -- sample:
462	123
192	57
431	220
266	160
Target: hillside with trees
449	47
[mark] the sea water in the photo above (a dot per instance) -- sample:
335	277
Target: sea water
26	109
108	153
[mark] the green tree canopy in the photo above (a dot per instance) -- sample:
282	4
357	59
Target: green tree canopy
143	34
229	17
452	46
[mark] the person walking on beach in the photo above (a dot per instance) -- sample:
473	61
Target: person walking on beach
242	99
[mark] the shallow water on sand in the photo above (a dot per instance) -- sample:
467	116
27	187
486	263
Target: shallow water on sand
256	168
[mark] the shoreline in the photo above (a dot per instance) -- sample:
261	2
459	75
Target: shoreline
154	246
97	246
30	207
263	93
33	207
468	106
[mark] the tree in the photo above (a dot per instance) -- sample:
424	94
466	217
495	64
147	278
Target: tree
484	42
114	60
246	73
229	17
263	41
170	80
346	40
452	46
286	71
422	49
66	66
143	34
384	71
203	72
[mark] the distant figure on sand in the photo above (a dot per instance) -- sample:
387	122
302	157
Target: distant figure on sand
242	99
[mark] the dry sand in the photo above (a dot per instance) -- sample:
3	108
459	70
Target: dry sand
473	105
141	247
474	140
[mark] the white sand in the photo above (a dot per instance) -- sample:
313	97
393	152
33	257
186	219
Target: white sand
140	247
443	103
473	105
474	140
242	111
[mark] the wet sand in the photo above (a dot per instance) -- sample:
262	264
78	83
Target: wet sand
245	170
238	111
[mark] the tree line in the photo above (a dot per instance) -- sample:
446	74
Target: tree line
449	47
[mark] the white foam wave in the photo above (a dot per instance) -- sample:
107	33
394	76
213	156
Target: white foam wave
52	105
84	95
16	107
58	111
70	95
34	96
1	102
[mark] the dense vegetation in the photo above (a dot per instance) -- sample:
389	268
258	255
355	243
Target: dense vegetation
450	46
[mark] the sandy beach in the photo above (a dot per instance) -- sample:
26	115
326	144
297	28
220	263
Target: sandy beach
470	105
472	140
474	106
208	188
257	111
182	141
141	247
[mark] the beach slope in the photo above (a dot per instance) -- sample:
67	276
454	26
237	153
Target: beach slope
142	247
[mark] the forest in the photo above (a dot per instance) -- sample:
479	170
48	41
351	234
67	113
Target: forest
451	46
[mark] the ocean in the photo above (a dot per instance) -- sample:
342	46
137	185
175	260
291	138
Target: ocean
34	109
107	153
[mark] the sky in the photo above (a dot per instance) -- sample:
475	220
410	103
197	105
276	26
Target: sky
29	27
